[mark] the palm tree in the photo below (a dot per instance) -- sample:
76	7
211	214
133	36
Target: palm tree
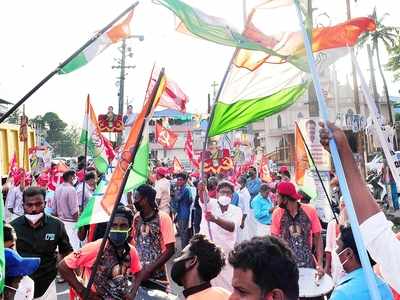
388	36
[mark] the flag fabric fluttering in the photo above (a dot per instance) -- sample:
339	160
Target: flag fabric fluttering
301	163
165	137
13	168
173	97
152	98
2	257
177	166
259	85
113	35
99	147
94	212
189	150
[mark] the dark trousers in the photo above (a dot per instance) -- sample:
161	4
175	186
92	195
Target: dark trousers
183	230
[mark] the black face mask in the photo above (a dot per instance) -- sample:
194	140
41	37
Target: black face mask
178	270
118	237
137	206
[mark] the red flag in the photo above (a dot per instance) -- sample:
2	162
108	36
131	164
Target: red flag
177	166
173	97
189	150
56	175
165	137
264	170
13	169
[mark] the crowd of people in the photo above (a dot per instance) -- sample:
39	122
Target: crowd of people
247	239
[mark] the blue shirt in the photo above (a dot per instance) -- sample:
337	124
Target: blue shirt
253	185
235	199
183	200
261	207
353	286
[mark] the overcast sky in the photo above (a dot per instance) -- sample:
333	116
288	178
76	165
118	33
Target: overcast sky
38	35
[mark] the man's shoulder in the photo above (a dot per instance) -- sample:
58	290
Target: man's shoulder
53	220
164	216
18	222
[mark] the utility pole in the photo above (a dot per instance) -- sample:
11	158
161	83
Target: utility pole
359	135
125	51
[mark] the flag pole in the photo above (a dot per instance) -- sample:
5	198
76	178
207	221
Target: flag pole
134	150
318	173
210	118
54	72
86	149
369	275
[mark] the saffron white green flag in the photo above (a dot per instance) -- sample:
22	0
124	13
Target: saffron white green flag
113	35
99	147
94	211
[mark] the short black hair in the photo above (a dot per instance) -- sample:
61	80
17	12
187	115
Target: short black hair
242	179
227	184
33	191
182	175
212	181
9	232
126	212
148	192
90	175
210	257
271	262
68	174
311	122
253	168
264	187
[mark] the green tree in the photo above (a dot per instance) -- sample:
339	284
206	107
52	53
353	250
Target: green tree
394	60
64	140
388	36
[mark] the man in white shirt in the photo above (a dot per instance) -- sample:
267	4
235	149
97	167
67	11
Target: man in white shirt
163	189
248	226
220	222
90	186
378	237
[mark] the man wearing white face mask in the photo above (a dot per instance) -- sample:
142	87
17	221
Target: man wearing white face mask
18	284
39	235
224	220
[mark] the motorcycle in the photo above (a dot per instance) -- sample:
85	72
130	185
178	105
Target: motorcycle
378	188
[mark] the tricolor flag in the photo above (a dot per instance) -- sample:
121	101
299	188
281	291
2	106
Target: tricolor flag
259	85
152	98
301	160
113	35
98	146
94	212
173	97
165	137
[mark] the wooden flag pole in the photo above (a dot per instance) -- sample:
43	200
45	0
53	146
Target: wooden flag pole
122	186
49	76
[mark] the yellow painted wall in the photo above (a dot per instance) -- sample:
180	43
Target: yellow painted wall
9	143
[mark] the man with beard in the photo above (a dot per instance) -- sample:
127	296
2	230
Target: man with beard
298	224
153	235
119	261
39	235
199	263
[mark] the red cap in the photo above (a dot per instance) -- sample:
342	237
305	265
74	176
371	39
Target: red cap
287	188
162	171
283	169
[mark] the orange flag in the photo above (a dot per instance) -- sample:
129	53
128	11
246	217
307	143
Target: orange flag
177	165
301	163
153	95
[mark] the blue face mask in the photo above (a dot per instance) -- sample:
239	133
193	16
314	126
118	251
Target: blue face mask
118	237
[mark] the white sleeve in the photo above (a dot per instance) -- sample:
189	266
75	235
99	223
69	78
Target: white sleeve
237	216
383	247
330	237
10	199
